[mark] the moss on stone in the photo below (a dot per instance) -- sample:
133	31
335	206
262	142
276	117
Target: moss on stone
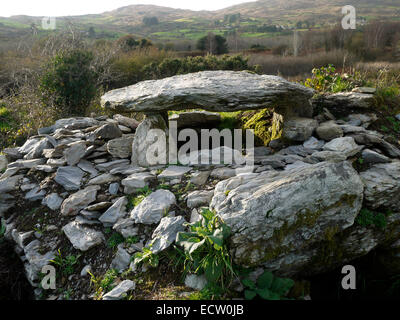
266	126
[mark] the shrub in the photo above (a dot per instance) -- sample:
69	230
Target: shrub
170	67
69	82
326	79
205	249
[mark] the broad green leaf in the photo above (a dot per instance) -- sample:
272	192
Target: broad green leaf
264	293
282	286
250	295
249	284
265	280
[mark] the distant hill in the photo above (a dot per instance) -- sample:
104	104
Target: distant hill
168	24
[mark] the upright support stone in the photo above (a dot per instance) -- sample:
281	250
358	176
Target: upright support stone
150	145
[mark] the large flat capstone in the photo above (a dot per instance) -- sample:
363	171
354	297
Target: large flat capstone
213	91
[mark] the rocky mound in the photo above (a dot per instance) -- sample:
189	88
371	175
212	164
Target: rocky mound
302	209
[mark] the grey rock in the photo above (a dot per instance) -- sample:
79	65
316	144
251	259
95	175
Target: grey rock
299	129
398	117
122	259
103	179
35	194
333	156
3	162
26	164
126	227
165	234
329	130
85	271
121	147
346	101
313	199
137	181
174	172
143	141
199	198
100	206
82	238
75	123
37	150
365	90
108	166
196	119
195	282
53	201
223	173
69	177
127	122
200	178
115	212
113	189
9	184
313	144
211	91
108	131
120	291
371	139
35	261
88	167
382	185
28	146
370	156
79	200
153	207
345	145
75	152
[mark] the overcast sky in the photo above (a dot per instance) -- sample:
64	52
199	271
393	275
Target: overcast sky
78	7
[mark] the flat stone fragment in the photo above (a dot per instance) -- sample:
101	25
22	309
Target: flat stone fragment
115	212
165	234
69	177
195	282
329	130
200	178
174	172
53	201
35	194
9	184
211	91
78	201
121	147
120	291
153	207
103	179
199	198
75	153
3	162
313	144
137	181
127	122
299	129
152	132
82	238
345	145
371	156
382	185
121	260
